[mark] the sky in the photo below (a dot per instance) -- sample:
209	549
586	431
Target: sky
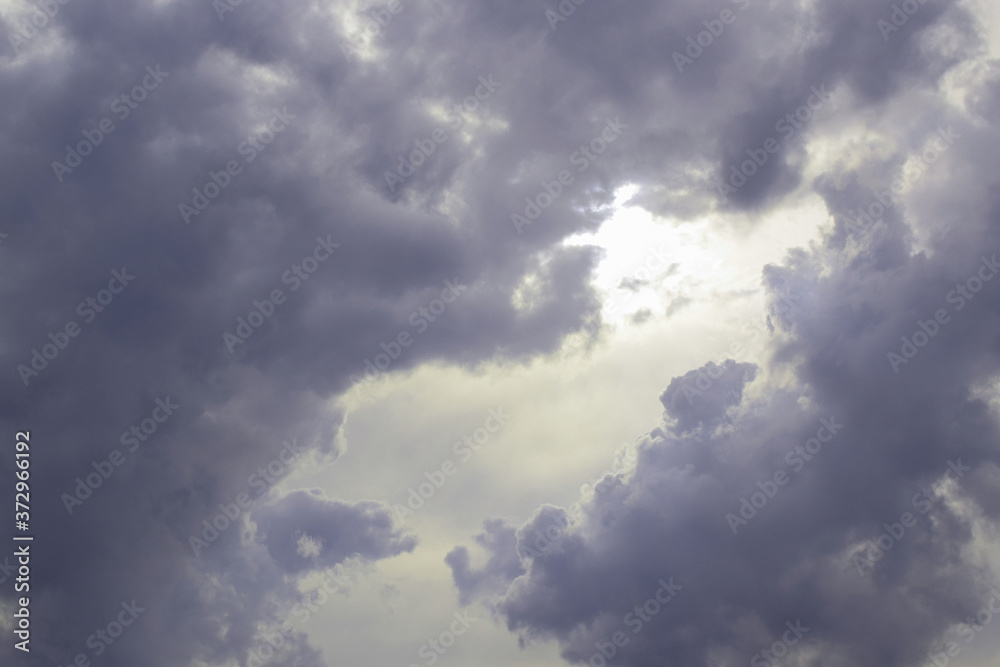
534	333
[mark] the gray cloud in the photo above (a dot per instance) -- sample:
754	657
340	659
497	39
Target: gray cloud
323	176
794	557
335	530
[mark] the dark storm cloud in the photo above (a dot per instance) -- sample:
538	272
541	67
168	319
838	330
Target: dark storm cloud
834	472
765	514
262	108
701	396
504	565
261	116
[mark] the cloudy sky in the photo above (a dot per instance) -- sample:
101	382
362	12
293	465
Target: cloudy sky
525	333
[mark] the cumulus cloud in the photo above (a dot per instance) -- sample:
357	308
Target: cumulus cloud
780	496
303	531
500	540
281	143
701	396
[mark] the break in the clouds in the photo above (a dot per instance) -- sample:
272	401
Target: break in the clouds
244	209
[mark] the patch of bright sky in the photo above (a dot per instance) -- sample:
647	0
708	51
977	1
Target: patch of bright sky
706	259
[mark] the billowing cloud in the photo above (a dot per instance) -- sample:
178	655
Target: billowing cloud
205	247
304	531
